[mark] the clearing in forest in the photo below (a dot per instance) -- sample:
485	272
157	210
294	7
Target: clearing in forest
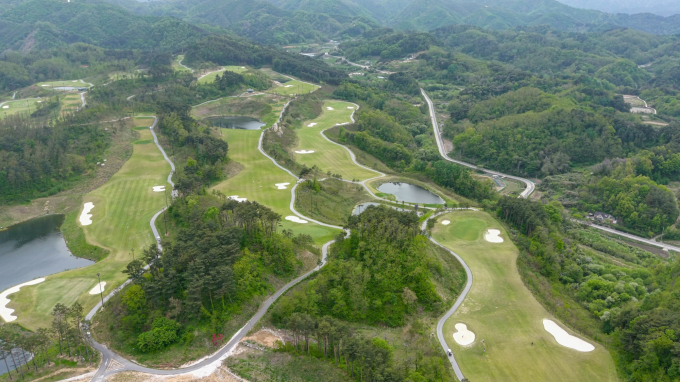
501	311
123	207
294	87
210	76
261	181
329	156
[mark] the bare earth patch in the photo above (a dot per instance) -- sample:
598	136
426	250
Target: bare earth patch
264	337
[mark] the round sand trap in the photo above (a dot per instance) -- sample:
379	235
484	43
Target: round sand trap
296	219
329	108
158	188
565	339
98	288
304	152
235	197
5	106
281	186
243	67
312	124
463	336
85	216
446	222
491	236
5	312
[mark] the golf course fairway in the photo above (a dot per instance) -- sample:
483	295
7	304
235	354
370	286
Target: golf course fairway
329	156
294	87
123	207
500	310
257	182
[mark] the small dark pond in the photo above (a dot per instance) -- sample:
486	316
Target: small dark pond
244	123
362	207
35	248
410	193
20	358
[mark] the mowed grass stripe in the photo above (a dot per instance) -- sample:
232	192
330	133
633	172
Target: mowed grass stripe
256	182
120	221
328	156
503	312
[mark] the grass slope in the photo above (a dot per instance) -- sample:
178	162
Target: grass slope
210	77
256	181
120	221
294	87
328	156
503	312
26	106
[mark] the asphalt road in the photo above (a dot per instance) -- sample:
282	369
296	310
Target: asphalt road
629	236
440	144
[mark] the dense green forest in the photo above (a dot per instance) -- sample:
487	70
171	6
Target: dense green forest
608	289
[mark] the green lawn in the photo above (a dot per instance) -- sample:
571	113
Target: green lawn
256	182
503	312
211	76
120	221
28	105
294	87
329	156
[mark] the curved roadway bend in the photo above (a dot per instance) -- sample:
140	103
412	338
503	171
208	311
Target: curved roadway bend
456	305
440	144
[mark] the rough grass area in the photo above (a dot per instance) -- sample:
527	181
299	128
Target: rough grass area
333	203
123	208
266	366
503	312
77	241
259	106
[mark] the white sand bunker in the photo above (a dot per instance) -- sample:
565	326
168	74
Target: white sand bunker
296	219
446	222
281	186
463	336
288	86
350	107
304	151
99	288
565	339
86	216
329	108
5	312
491	236
5	106
235	197
312	124
158	188
74	81
45	85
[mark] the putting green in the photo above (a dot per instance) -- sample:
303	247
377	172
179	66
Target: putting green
123	207
329	156
28	106
257	182
294	87
503	312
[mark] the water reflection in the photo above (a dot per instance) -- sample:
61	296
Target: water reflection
35	248
362	207
410	193
244	123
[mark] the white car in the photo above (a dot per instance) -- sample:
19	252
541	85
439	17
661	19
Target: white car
448	351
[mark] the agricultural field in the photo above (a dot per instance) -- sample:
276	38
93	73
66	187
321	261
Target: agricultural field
258	179
329	156
501	311
123	207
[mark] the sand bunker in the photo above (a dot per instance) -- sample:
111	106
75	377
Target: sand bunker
288	86
304	152
350	107
491	236
5	106
329	108
45	85
281	186
74	81
85	216
98	288
446	222
463	336
565	339
235	197
158	188
5	312
312	124
296	219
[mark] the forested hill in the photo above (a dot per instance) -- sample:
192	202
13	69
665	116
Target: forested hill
43	24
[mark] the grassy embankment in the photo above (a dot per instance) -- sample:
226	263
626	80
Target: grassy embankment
503	312
120	222
210	77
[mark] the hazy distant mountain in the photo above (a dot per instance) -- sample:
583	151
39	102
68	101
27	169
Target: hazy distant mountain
657	7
